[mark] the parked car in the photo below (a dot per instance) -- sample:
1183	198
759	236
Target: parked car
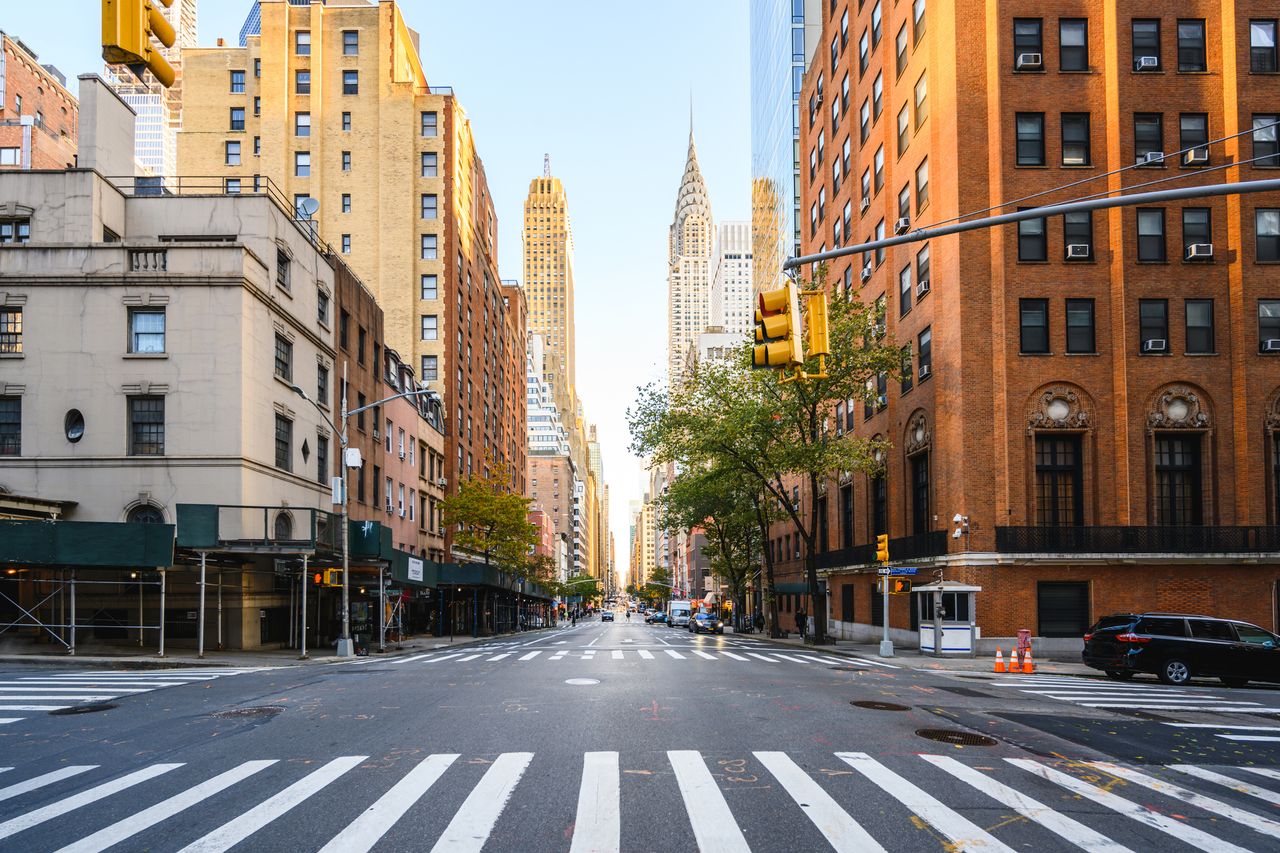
679	614
656	617
1176	646
705	622
606	616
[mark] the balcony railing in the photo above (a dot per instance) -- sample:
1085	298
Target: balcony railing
856	556
1249	539
932	543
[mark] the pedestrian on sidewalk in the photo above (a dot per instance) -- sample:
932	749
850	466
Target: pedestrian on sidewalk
802	623
758	622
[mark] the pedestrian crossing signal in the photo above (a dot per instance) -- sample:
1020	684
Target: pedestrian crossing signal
332	577
882	548
318	578
897	586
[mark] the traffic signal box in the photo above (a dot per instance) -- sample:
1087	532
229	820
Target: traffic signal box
779	334
328	577
128	26
882	548
897	586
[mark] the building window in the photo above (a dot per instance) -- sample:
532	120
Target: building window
900	49
920	493
864	123
1178	496
284	358
257	151
1199	326
10	156
1191	45
146	330
1267	233
1028	37
1030	143
1153	325
922	185
430	123
904	124
10	331
430	204
302	82
879	505
146	426
904	290
430	164
232	154
350	42
430	289
1059	480
284	443
924	347
1148	135
231	186
322	307
302	43
1073	44
346	202
284	269
1193	137
346	121
237	82
1080	326
1075	139
430	327
1033	244
1146	44
350	82
907	368
257	105
428	249
1062	608
344	329
922	100
322	459
1266	150
922	266
877	96
430	368
302	164
302	124
11	426
346	161
1196	228
917	20
1034	326
346	244
322	384
1269	325
1151	234
15	230
1077	232
237	118
1262	46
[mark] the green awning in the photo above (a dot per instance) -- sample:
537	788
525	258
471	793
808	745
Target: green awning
411	570
86	544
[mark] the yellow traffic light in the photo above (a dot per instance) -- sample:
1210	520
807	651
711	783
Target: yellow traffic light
333	577
882	548
779	341
819	342
128	26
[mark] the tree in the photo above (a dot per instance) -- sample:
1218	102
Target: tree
657	587
776	433
584	586
494	523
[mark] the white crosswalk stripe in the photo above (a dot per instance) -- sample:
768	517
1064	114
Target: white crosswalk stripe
1099	807
677	653
1150	696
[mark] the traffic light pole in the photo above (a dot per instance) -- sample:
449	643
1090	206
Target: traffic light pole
886	645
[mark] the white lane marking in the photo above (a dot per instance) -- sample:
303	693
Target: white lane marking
1178	829
964	835
714	828
1200	801
1263	771
99	684
732	655
529	655
1059	824
762	657
1207	706
374	822
593	642
791	658
1252	738
674	654
499	657
443	657
558	655
559	642
871	662
843	833
7	720
1223	726
1221	779
84	798
473	822
410	659
239	828
1148	698
617	655
33	707
647	655
58	697
47	779
40	688
470	657
598	825
165	809
702	654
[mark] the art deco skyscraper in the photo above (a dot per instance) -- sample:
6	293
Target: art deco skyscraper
548	274
689	274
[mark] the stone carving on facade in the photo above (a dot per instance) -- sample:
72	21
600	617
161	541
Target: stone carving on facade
919	435
1273	416
1058	407
1178	407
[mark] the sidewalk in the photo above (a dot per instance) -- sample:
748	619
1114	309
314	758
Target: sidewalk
912	659
181	658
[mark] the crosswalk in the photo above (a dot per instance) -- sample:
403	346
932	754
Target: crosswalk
844	801
1094	693
66	690
1238	734
675	653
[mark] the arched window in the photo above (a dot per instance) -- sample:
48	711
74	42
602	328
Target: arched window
284	526
1058	423
1178	424
145	514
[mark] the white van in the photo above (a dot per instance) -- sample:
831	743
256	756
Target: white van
678	613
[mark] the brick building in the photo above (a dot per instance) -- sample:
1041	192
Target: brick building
38	116
1098	396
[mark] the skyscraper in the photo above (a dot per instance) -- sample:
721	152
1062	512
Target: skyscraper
689	272
731	310
548	273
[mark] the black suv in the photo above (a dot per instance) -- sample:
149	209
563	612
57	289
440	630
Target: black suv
1176	646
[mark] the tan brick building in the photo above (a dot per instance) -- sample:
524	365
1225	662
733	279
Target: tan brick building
1099	396
38	116
330	102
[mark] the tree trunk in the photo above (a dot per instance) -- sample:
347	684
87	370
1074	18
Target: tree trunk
816	594
771	598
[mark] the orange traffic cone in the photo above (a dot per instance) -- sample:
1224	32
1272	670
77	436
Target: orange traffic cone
1000	661
1027	666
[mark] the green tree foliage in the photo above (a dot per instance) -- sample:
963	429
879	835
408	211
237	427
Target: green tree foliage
777	434
494	523
657	588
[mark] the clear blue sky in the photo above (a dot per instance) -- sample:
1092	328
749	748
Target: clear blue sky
604	88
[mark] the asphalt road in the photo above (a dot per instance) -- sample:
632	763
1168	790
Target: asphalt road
632	737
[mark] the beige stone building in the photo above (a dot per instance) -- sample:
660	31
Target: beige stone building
548	276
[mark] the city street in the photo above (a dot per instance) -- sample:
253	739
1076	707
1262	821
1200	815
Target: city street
610	736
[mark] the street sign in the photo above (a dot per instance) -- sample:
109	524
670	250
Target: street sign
903	570
883	570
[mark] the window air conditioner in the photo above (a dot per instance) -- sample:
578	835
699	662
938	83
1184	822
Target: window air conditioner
922	288
902	226
402	512
1029	62
442	482
1196	157
1150	158
1146	63
389	507
866	274
1077	250
866	202
1200	251
1271	345
1155	345
402	453
925	370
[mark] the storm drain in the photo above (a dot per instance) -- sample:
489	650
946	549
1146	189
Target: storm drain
248	713
965	691
956	737
879	706
847	668
82	709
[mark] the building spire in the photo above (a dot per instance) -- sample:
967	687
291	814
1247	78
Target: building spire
546	165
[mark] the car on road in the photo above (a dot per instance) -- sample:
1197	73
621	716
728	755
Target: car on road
606	616
656	617
1177	646
705	622
679	614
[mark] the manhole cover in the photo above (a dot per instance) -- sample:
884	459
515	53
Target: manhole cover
582	682
243	713
879	706
82	709
956	737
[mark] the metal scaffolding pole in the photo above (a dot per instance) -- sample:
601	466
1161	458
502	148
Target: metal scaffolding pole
382	613
163	576
220	646
303	656
200	613
71	650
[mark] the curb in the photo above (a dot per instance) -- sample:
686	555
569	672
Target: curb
914	662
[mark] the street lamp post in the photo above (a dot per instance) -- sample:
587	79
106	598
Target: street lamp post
345	647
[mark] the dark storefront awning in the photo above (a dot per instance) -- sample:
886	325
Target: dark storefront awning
86	544
791	588
476	574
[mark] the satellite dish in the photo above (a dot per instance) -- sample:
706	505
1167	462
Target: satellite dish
308	207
